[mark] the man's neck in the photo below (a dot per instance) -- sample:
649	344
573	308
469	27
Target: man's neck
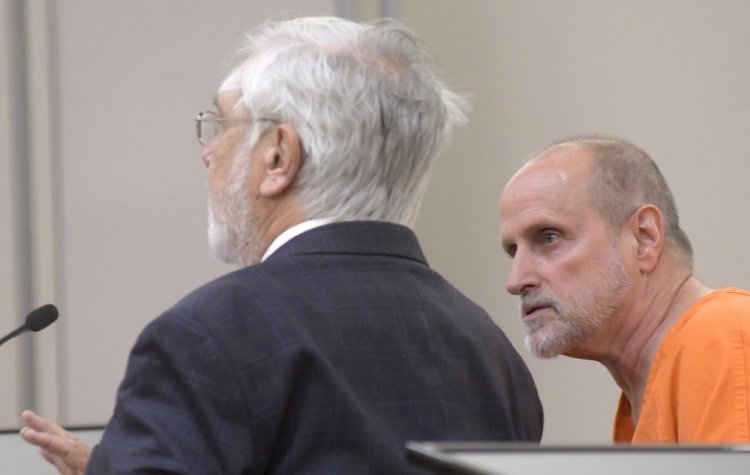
271	220
635	342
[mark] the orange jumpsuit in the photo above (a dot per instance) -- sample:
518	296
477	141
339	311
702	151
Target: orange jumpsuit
698	387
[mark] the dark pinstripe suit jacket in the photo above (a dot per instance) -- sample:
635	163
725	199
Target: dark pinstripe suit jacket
324	359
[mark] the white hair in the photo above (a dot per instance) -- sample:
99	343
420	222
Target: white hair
367	104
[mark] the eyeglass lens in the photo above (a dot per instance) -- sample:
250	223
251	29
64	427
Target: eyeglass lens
210	129
206	128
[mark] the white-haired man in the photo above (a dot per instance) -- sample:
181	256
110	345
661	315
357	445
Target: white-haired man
604	272
336	343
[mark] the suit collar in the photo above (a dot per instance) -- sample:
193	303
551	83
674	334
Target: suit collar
355	237
293	232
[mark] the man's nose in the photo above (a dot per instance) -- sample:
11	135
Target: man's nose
207	154
523	276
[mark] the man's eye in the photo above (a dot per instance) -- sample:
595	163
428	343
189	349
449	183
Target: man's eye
549	237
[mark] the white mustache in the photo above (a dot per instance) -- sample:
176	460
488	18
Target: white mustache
530	302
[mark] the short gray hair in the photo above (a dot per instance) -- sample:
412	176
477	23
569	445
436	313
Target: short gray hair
623	178
368	106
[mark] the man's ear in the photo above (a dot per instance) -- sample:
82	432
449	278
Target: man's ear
281	161
647	225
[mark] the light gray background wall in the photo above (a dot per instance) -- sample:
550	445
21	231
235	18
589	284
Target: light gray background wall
130	201
9	215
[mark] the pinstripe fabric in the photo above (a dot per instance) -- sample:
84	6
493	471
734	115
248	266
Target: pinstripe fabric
324	359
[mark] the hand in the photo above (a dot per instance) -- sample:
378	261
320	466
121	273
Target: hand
59	447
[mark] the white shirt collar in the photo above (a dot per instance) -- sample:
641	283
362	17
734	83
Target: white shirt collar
293	232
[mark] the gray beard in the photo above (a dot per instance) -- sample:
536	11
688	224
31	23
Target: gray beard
221	239
577	318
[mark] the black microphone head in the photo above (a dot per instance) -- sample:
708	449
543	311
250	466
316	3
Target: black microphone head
41	317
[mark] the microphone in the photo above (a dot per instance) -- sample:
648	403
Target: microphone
38	319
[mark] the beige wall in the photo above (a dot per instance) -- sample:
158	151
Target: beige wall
27	195
670	76
10	293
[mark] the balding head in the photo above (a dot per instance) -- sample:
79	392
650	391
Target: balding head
622	179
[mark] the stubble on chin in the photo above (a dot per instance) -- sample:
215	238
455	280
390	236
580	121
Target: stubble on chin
550	335
234	244
577	317
555	337
220	239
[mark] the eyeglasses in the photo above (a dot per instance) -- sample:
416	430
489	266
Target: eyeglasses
209	125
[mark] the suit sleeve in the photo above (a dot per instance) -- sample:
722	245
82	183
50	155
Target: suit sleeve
179	408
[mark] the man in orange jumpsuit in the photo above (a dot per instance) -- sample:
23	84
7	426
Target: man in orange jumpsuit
604	272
